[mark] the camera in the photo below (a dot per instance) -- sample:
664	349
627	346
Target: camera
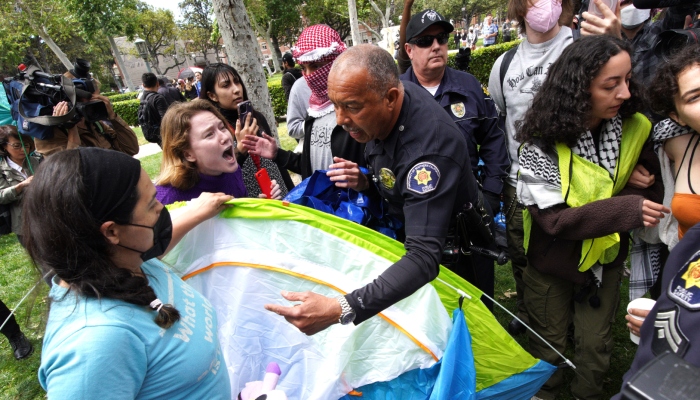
40	92
673	40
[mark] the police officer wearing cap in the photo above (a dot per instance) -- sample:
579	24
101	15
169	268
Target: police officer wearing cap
420	166
461	95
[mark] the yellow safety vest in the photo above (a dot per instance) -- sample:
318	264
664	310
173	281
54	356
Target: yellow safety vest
584	182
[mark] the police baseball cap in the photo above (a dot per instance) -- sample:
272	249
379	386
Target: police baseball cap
424	20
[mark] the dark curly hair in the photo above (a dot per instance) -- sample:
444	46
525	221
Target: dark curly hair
665	85
561	109
64	237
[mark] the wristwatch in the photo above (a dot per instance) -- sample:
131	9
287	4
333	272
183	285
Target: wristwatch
347	314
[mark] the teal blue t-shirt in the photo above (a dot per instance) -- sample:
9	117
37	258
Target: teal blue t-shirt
110	349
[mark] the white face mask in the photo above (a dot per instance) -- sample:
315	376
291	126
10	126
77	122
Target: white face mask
631	17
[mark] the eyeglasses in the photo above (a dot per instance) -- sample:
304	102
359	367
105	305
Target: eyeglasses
427	40
15	146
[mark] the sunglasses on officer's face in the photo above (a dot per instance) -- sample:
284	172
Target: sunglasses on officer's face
427	40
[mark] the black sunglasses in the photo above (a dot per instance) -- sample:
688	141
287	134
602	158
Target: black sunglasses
427	40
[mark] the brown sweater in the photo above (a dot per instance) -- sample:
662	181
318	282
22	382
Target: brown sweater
558	232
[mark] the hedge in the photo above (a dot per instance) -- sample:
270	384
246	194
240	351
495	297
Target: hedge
123	96
483	60
128	110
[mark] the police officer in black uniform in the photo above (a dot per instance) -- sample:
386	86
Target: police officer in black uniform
421	167
672	325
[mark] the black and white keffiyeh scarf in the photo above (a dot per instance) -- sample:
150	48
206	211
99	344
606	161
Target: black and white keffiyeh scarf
668	129
608	145
539	181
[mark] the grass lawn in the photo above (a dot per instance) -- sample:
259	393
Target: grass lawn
17	276
139	135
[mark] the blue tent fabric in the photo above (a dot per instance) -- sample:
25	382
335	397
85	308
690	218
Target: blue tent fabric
457	378
519	386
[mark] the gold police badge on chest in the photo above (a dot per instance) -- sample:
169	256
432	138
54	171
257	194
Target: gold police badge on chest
387	178
458	109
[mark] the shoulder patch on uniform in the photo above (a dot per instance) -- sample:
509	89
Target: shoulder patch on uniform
685	286
667	333
458	109
423	178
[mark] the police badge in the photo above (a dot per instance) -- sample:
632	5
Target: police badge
387	178
458	109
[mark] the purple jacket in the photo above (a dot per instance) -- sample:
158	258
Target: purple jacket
227	183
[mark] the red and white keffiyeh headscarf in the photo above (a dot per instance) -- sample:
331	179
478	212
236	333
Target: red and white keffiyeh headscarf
318	43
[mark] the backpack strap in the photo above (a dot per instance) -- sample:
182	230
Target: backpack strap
507	59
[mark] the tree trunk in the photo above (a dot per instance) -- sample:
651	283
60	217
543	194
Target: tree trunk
276	46
54	47
120	63
354	28
239	38
273	55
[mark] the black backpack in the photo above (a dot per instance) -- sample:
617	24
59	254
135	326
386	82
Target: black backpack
149	118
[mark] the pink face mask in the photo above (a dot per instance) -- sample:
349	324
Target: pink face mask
543	15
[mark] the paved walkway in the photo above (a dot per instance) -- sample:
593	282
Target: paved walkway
148	150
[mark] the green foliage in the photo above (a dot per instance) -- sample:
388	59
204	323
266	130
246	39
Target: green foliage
483	60
279	103
123	96
128	110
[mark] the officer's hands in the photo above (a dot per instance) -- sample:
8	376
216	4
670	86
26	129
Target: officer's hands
633	324
347	174
608	25
494	201
265	146
640	178
653	212
314	314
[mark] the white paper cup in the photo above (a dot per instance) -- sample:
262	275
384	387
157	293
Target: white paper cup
640	304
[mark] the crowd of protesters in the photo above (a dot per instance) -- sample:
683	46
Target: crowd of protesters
586	143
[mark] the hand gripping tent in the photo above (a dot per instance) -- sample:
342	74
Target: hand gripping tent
244	258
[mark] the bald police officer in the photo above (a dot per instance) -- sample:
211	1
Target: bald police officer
421	167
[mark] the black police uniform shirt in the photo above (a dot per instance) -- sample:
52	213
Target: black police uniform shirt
460	94
422	170
674	322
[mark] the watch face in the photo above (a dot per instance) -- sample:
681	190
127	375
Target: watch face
347	318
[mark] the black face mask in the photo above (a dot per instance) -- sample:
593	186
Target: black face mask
162	234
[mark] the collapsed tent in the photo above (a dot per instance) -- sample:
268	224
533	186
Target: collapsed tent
244	258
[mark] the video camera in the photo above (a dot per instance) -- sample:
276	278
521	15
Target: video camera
673	40
33	94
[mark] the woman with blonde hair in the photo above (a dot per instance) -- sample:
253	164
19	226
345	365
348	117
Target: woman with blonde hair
199	154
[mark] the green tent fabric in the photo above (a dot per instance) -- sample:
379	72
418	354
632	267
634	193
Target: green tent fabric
266	224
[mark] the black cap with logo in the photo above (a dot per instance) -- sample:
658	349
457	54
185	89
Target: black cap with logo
425	19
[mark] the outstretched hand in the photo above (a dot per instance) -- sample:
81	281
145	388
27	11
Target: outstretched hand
314	314
207	205
265	146
609	24
347	174
653	212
